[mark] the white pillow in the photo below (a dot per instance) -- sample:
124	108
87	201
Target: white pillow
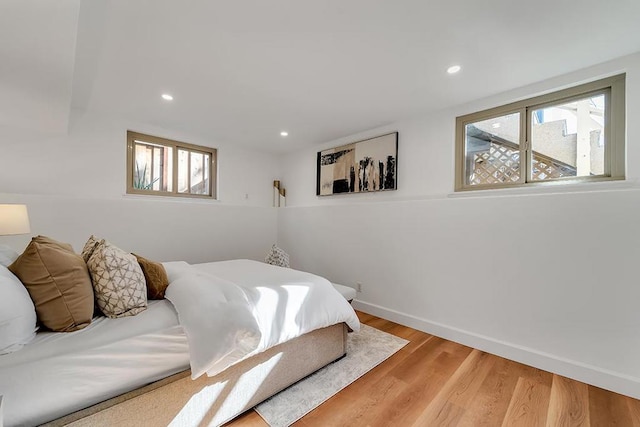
17	313
7	255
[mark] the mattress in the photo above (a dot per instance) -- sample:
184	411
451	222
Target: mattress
59	373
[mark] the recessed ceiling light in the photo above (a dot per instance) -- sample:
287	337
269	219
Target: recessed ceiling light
167	97
284	133
495	125
453	69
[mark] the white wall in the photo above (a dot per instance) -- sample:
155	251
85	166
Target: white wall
547	277
74	185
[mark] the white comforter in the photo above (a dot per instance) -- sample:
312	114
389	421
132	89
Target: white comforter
231	310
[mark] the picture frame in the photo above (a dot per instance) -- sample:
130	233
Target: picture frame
366	166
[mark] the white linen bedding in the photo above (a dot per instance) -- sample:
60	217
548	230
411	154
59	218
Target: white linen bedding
231	310
228	311
59	373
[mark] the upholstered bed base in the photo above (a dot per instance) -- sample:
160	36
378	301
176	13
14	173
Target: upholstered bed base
215	400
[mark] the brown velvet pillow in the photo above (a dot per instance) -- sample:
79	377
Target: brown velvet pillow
156	277
58	282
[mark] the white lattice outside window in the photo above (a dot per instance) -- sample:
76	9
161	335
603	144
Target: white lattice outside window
576	134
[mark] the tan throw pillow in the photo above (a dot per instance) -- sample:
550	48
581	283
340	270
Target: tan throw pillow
156	277
58	283
118	281
89	247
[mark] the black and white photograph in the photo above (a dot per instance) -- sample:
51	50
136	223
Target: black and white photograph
360	167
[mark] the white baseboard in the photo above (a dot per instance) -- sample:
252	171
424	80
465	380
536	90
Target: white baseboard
603	378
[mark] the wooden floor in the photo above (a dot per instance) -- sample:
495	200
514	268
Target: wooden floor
435	382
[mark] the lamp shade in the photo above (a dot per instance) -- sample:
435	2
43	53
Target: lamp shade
14	219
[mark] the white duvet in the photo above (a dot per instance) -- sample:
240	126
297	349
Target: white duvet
232	310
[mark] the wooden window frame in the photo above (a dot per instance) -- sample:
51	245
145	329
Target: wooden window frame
614	133
132	137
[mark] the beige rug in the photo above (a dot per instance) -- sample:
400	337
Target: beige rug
365	350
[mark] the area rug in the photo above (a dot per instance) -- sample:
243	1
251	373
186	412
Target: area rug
365	350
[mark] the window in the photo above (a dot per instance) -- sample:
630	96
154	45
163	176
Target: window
572	135
160	166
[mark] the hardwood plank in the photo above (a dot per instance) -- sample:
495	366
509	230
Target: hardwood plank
634	410
359	398
449	405
608	409
415	367
426	353
529	404
365	317
248	419
432	381
569	403
535	374
429	377
355	406
415	337
379	324
492	400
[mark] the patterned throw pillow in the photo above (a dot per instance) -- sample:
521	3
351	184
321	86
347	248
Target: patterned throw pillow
89	247
277	256
118	281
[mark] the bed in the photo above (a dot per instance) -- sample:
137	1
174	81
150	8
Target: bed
114	367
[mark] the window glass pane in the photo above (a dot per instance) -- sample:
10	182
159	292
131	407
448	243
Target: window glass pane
167	176
492	151
141	166
183	171
145	171
568	139
151	167
197	174
207	174
156	166
159	165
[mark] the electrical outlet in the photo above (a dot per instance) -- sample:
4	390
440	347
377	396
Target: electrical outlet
359	286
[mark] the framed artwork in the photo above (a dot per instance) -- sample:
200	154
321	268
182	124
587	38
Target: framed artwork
360	167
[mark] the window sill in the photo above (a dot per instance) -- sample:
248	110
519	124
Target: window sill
179	199
555	188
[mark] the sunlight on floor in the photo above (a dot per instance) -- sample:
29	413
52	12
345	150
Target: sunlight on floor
198	406
224	397
251	381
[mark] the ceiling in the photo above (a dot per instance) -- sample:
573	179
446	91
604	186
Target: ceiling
242	71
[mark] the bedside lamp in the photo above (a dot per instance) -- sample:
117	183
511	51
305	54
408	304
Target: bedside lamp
14	219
